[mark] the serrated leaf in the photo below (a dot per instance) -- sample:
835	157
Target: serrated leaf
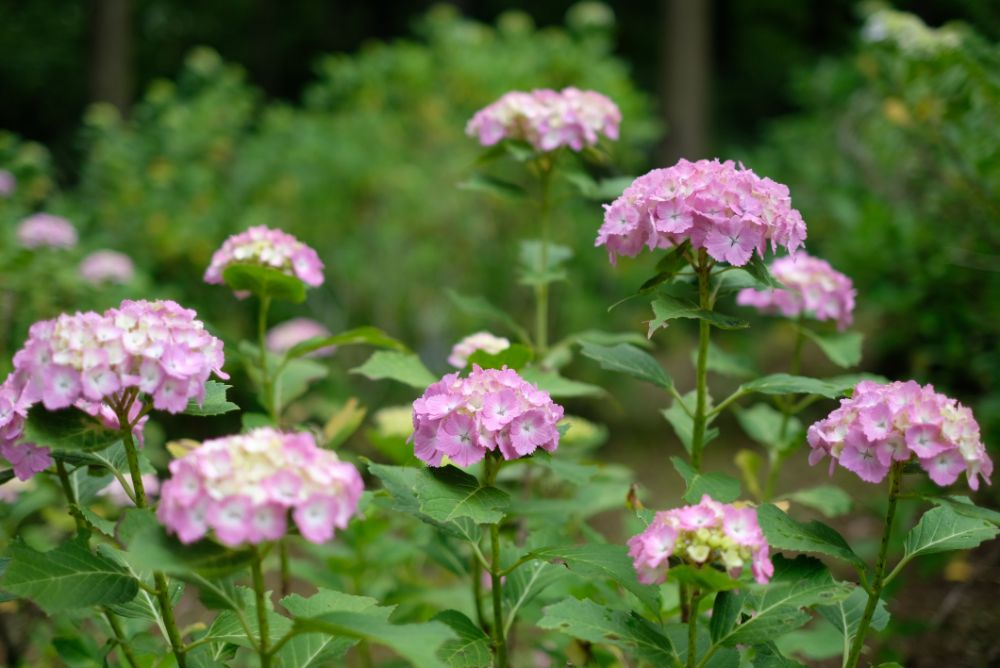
830	500
446	494
215	402
725	613
783	383
481	309
68	577
515	356
719	486
69	430
588	621
264	282
963	505
629	360
471	646
228	627
769	427
942	529
559	387
418	643
846	614
666	308
842	348
401	482
402	367
785	533
319	649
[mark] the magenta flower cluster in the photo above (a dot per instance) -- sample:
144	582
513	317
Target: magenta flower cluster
107	266
270	248
45	230
490	410
243	487
900	422
82	360
727	210
547	119
814	289
707	533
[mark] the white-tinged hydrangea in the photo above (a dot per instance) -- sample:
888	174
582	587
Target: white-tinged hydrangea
901	422
486	341
43	230
107	266
290	333
490	410
814	289
710	533
243	488
269	248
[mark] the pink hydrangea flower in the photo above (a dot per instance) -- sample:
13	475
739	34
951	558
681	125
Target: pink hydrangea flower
107	266
45	230
87	359
706	533
900	422
727	210
244	487
814	288
462	350
547	119
271	248
8	183
115	493
292	332
464	418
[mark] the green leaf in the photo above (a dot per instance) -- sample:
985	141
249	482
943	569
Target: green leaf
491	185
516	356
264	282
784	533
769	427
843	348
68	577
215	402
67	430
758	270
942	529
401	482
666	308
590	622
628	360
319	649
536	270
963	505
229	627
683	423
559	387
726	364
846	614
777	608
830	500
150	548
372	336
783	383
471	646
719	486
418	643
705	578
668	267
725	613
481	309
449	493
343	423
402	367
600	560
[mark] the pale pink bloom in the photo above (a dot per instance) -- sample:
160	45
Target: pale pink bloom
283	337
812	288
485	341
107	266
45	230
117	494
8	183
269	248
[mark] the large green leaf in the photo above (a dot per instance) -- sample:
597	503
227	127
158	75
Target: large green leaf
942	529
402	367
264	282
471	646
830	500
68	430
232	626
588	621
843	348
667	308
448	493
320	649
628	359
371	336
769	427
846	614
559	387
785	533
402	483
418	643
70	576
719	486
783	383
963	506
215	402
725	613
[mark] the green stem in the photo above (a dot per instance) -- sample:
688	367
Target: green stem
703	270
82	527
257	571
286	576
477	593
266	390
693	628
116	629
542	287
777	459
895	480
141	501
491	467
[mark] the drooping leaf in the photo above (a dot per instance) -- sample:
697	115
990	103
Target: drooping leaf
471	646
588	621
371	336
846	614
830	500
784	533
215	402
842	348
68	430
516	356
666	308
479	308
264	282
402	367
559	387
418	643
942	529
319	649
719	486
448	493
628	359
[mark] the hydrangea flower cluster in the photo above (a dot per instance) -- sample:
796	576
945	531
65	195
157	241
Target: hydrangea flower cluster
814	288
243	487
107	266
45	230
271	248
707	533
464	418
727	210
292	332
547	119
8	183
82	360
900	422
462	350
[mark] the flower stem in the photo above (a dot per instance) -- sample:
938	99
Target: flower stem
491	468
286	577
542	286
256	570
82	528
266	389
116	629
693	627
703	269
895	480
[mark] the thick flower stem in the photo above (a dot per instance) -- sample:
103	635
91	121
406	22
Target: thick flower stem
266	390
159	579
82	528
286	574
491	466
895	480
257	571
116	629
703	270
693	627
542	286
